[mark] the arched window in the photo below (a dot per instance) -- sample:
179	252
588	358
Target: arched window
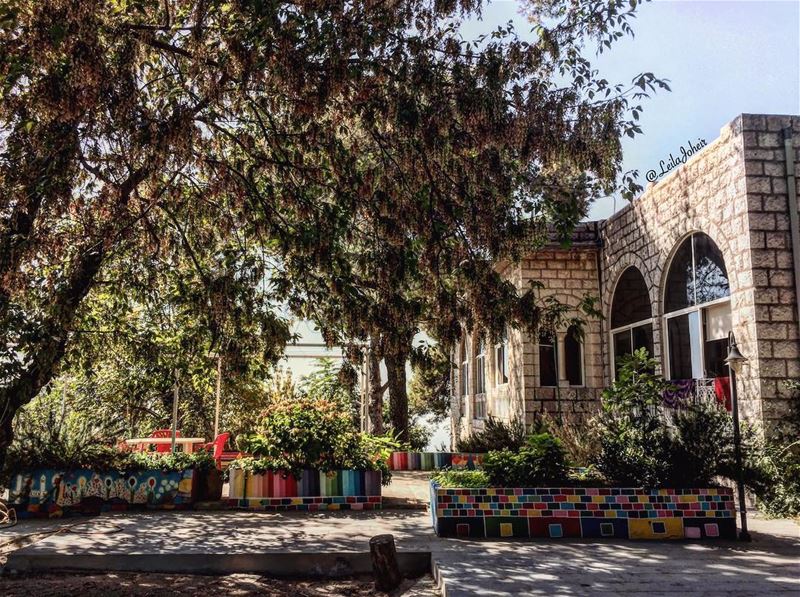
573	356
631	317
501	361
697	311
548	361
464	369
479	398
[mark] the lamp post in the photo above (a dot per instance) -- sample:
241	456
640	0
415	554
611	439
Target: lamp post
734	361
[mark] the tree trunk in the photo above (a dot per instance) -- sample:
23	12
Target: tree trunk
376	389
47	352
395	360
384	562
6	435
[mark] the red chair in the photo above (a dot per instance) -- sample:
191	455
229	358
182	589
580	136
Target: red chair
162	448
217	448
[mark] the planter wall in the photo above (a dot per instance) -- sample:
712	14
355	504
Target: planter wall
51	493
312	490
584	512
430	461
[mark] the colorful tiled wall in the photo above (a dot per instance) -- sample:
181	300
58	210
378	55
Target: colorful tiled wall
51	493
430	461
584	512
312	490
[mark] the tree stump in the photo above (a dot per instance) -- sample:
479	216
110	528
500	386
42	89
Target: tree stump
384	562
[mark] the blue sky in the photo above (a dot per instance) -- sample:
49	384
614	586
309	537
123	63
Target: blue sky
722	58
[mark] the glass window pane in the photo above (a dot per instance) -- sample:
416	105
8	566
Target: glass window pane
631	300
680	284
683	337
622	346
642	337
500	364
480	375
716	351
572	358
716	324
711	277
548	375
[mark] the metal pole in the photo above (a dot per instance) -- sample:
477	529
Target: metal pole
744	535
219	382
175	411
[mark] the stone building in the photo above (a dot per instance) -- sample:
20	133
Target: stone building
712	247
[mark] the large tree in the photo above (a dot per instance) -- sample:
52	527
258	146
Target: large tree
384	160
462	155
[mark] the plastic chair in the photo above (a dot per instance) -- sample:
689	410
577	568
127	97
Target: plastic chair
162	448
217	447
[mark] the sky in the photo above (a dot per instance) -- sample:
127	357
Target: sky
722	58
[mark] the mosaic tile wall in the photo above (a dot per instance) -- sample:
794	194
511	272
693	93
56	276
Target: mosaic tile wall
430	461
312	490
51	493
584	512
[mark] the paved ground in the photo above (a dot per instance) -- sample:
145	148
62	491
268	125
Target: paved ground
408	487
147	584
769	565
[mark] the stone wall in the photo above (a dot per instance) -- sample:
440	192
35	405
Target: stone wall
569	275
734	190
776	303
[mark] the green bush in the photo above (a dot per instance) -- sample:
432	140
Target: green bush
316	431
634	439
773	466
541	462
780	496
639	446
452	478
633	455
495	435
200	460
701	446
578	434
48	433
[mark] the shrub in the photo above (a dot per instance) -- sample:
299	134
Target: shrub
773	467
701	447
50	434
305	431
780	496
634	439
580	436
451	478
495	435
541	461
314	430
200	460
633	455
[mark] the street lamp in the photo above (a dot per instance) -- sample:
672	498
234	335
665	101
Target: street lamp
734	361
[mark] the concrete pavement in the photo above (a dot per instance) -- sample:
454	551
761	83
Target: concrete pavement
325	543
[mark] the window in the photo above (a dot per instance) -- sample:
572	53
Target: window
464	372
480	369
573	357
479	398
548	367
631	317
697	310
501	362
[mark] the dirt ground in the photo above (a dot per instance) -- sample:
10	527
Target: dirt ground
147	584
